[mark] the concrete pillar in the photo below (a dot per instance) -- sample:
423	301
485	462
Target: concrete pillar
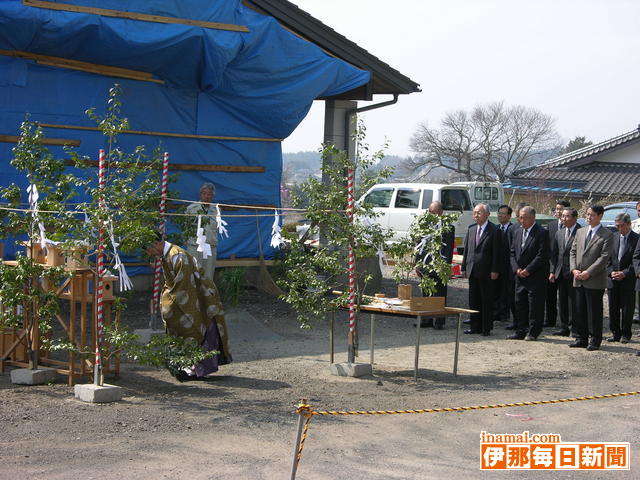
336	130
337	133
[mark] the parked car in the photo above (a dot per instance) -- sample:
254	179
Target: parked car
400	203
610	212
490	193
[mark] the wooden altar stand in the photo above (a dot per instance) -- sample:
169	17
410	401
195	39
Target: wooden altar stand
79	325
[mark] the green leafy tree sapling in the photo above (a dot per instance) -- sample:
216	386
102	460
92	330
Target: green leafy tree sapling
311	273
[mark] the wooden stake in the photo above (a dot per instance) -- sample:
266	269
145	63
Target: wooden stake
70	64
165	134
145	17
187	167
44	141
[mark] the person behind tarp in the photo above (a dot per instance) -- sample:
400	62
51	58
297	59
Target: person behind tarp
208	223
191	308
446	251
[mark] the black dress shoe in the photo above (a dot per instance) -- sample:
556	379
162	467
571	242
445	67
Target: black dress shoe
637	354
486	334
613	339
183	376
578	344
591	347
510	327
530	338
466	322
562	333
471	331
625	340
516	336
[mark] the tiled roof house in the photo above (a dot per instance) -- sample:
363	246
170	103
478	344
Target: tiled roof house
611	167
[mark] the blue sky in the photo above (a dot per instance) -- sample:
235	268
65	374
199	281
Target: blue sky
578	61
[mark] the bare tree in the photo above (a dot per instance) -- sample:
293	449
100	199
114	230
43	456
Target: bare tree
487	143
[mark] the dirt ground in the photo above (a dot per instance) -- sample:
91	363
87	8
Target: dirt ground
240	423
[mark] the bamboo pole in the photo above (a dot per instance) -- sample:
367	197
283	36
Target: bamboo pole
97	372
155	306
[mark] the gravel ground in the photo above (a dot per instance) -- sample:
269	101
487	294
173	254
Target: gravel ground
240	422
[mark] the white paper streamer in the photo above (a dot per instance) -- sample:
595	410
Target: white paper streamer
43	235
125	281
222	230
276	232
381	259
32	190
201	240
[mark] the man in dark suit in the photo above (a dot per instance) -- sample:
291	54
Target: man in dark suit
621	280
551	310
514	229
636	269
561	271
505	303
530	262
589	257
446	251
481	265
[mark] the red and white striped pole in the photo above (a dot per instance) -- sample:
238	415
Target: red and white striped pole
97	371
155	305
352	272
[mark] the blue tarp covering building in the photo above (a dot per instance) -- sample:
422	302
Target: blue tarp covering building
256	84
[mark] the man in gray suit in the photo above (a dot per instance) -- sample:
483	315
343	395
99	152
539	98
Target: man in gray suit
561	271
588	261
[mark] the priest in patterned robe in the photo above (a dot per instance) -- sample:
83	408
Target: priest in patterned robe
191	308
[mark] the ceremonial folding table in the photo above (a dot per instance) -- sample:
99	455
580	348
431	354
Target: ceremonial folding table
403	311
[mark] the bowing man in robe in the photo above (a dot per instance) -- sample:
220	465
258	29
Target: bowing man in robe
191	308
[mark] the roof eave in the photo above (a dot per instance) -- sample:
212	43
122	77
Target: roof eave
385	79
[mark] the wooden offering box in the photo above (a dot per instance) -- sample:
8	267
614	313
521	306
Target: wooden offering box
404	291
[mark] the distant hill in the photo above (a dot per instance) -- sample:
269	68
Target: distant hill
299	166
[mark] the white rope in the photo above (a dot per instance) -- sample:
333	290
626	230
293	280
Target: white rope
276	231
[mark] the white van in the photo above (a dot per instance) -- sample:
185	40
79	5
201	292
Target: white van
490	193
400	203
